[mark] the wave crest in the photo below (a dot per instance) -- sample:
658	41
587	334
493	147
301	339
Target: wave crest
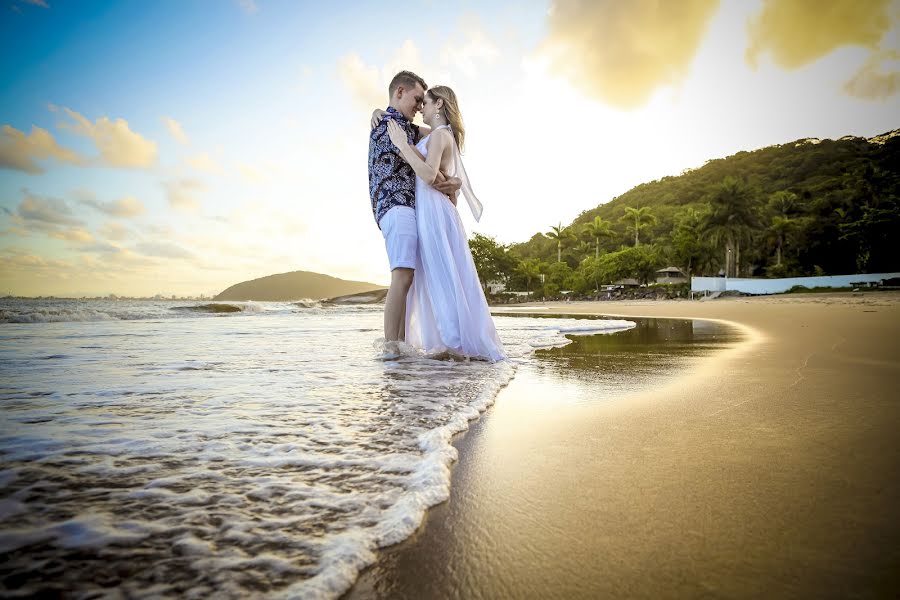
211	308
54	315
307	303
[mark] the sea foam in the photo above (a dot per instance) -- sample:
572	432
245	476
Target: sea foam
273	450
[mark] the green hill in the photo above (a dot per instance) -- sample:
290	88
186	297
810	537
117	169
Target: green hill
296	285
801	208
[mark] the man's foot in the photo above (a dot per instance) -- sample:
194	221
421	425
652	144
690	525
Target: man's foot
390	349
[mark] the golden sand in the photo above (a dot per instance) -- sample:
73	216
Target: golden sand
771	469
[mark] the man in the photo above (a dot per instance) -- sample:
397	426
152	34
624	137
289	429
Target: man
392	188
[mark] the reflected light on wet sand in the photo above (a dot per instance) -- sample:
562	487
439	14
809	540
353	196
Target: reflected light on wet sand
530	498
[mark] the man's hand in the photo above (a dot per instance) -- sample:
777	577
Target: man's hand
447	185
376	117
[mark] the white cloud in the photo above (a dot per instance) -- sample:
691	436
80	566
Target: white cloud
115	231
368	84
622	52
104	248
477	48
45	212
878	79
19	151
251	173
182	194
798	32
14	5
162	250
119	146
364	82
32	265
77	235
176	130
126	207
204	163
248	6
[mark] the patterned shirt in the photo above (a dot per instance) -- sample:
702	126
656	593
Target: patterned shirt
392	182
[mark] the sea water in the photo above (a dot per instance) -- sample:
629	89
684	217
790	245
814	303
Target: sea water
190	449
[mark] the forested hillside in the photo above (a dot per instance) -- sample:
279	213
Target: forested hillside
801	208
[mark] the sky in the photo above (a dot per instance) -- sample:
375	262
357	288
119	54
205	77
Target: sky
179	147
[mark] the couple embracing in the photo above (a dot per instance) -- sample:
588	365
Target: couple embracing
435	302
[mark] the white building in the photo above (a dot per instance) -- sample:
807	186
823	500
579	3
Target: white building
496	286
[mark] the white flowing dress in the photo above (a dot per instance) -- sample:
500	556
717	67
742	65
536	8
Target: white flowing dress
446	311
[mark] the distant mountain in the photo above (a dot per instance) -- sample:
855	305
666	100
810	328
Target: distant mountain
295	285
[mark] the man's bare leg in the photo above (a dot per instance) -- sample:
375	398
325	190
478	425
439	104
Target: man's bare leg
401	332
395	303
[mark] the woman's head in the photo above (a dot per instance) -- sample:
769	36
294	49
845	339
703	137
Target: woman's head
442	100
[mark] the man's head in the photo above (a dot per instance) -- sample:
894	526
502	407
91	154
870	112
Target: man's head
407	92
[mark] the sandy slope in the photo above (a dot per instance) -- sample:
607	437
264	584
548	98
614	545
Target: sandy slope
772	470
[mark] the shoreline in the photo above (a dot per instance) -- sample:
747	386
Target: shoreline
771	470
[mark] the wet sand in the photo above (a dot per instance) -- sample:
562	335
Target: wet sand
768	469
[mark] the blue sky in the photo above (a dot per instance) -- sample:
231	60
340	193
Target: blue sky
185	146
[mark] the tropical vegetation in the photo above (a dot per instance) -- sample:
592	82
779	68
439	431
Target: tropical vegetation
808	207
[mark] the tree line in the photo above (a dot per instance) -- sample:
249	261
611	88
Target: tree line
809	207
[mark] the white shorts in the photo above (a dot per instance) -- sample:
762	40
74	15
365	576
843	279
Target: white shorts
401	238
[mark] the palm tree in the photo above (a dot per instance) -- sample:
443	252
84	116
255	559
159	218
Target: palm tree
780	228
638	219
598	228
583	249
782	203
730	219
558	234
688	238
529	269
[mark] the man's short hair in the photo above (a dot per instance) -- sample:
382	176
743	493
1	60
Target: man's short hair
407	79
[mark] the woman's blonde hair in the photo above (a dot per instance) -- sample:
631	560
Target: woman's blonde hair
451	111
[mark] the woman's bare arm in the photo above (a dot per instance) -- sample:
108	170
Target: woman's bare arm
429	168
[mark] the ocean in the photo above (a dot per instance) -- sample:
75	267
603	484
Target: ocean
191	449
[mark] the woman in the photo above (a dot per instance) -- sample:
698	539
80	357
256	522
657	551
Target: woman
446	309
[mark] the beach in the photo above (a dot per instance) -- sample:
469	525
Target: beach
770	468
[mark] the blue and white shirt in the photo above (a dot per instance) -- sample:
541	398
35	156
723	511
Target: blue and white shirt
392	182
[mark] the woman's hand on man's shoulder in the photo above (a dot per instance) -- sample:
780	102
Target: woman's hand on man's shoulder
377	115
